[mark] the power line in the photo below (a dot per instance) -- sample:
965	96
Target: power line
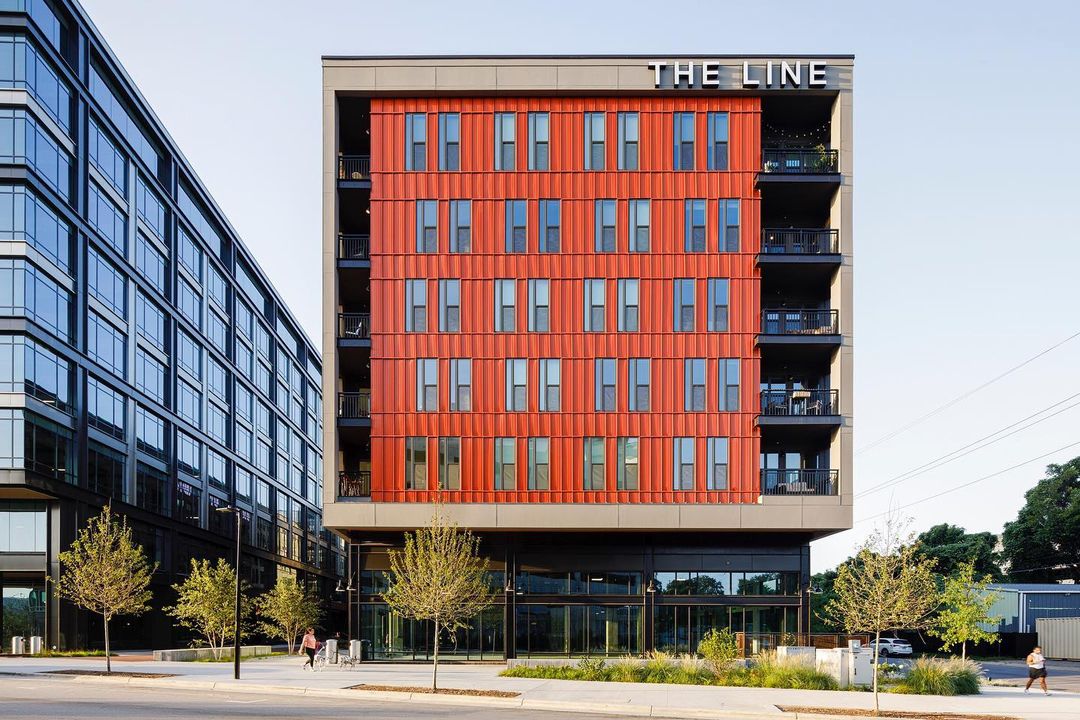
960	452
963	396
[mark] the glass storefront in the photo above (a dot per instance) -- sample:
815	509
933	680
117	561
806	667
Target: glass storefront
23	609
393	637
679	628
562	630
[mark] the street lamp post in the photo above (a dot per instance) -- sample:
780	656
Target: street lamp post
236	609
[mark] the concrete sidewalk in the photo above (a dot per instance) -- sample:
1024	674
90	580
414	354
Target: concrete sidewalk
285	676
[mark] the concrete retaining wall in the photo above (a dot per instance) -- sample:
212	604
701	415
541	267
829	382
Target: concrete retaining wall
189	654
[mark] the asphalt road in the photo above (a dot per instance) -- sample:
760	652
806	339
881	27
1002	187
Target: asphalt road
1061	674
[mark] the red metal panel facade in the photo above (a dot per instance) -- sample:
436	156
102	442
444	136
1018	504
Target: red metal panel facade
394	259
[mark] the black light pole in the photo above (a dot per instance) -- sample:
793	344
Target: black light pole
236	629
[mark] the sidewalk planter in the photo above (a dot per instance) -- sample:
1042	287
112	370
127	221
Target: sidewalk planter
191	654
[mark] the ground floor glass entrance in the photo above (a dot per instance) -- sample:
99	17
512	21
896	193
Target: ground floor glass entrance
23	610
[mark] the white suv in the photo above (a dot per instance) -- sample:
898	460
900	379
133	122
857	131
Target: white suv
891	646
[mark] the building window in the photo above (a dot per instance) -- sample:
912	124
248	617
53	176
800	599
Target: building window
517	214
605	226
188	403
460	226
684	140
539	463
449	141
416	306
684	463
189	302
718	141
449	463
606	378
539	306
449	305
549	226
191	256
718	464
729	385
505	463
594	305
427	226
718	304
415	141
516	385
729	226
594	463
149	433
106	283
683	302
628	463
461	385
149	321
505	135
550	385
415	463
149	375
150	263
638	236
427	385
628	305
594	140
106	409
106	344
628	141
505	305
538	141
694	384
639	380
694	227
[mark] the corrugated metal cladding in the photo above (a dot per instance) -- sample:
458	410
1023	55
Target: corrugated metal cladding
1059	637
393	260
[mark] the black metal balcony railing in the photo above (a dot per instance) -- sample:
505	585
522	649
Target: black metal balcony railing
354	405
354	483
800	322
800	402
354	167
800	241
805	161
354	326
354	246
799	482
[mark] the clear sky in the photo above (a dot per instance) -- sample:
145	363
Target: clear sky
967	225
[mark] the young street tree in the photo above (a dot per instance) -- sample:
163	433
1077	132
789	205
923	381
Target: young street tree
106	572
205	600
286	611
439	576
966	604
889	586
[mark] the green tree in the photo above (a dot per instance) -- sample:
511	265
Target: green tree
965	608
205	603
106	572
287	610
439	576
953	546
719	647
1043	543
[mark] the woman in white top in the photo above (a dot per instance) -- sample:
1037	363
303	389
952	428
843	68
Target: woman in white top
1036	669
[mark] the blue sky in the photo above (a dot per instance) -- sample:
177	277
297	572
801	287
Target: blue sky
967	229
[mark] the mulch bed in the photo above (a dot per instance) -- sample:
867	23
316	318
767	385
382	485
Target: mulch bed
440	691
102	673
892	713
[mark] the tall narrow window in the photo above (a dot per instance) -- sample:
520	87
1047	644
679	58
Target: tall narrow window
427	385
427	226
550	385
516	226
505	463
505	136
460	226
684	140
594	463
628	305
638	240
606	379
729	226
729	384
718	141
718	464
517	382
415	141
694	227
539	463
549	226
505	306
461	385
684	304
684	463
605	226
594	141
694	384
416	305
449	463
449	305
415	463
718	304
628	463
539	305
538	141
594	305
449	141
628	141
638	381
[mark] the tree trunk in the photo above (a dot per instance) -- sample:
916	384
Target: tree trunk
963	650
435	665
108	658
877	650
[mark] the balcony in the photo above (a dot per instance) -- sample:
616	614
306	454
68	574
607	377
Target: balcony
813	244
354	169
800	403
354	405
800	324
799	482
354	326
354	484
354	247
801	161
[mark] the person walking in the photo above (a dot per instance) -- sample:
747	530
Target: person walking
309	645
1036	669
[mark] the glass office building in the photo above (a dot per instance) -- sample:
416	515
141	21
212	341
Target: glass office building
145	359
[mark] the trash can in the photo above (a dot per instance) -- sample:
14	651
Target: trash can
35	645
354	649
18	645
331	650
365	650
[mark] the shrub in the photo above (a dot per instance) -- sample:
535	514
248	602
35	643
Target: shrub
965	676
719	648
789	673
593	669
931	676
